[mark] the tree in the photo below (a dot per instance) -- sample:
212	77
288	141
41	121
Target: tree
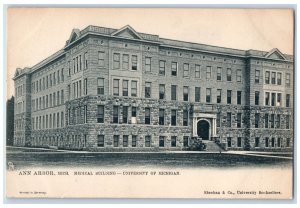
10	120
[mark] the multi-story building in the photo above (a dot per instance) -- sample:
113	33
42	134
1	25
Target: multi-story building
121	90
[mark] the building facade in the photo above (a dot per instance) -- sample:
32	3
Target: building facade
121	90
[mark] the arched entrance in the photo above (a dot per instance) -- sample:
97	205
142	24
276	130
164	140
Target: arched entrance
203	129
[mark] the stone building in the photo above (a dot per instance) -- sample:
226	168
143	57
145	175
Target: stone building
122	90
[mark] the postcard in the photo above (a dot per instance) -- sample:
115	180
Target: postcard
178	103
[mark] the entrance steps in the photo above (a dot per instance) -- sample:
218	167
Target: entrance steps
211	146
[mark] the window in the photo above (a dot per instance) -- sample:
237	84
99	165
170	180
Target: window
134	62
257	75
78	90
161	91
219	95
185	93
186	70
288	79
197	71
278	99
100	113
229	74
229	142
47	79
100	89
229	96
173	141
85	114
267	98
148	64
162	67
278	121
256	97
125	62
273	78
239	141
133	111
256	141
256	120
125	114
208	72
173	117
239	120
161	141
44	121
44	102
79	83
58	97
173	92
278	142
219	73
287	100
58	79
85	86
100	141
54	99
185	141
62	75
174	68
239	97
147	141
279	77
267	142
161	116
288	142
228	119
272	120
77	64
116	140
238	75
197	94
115	114
125	87
54	79
116	61
218	119
44	82
208	95
148	90
287	124
62	97
273	142
37	89
267	77
62	119
133	88
40	122
116	87
50	103
273	95
185	117
69	118
74	90
125	140
54	120
266	120
147	116
50	81
133	138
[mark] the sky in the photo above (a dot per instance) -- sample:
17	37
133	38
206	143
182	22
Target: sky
33	34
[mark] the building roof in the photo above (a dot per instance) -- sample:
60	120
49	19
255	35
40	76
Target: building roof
127	32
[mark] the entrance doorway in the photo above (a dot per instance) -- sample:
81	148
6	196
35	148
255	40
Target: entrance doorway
203	129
